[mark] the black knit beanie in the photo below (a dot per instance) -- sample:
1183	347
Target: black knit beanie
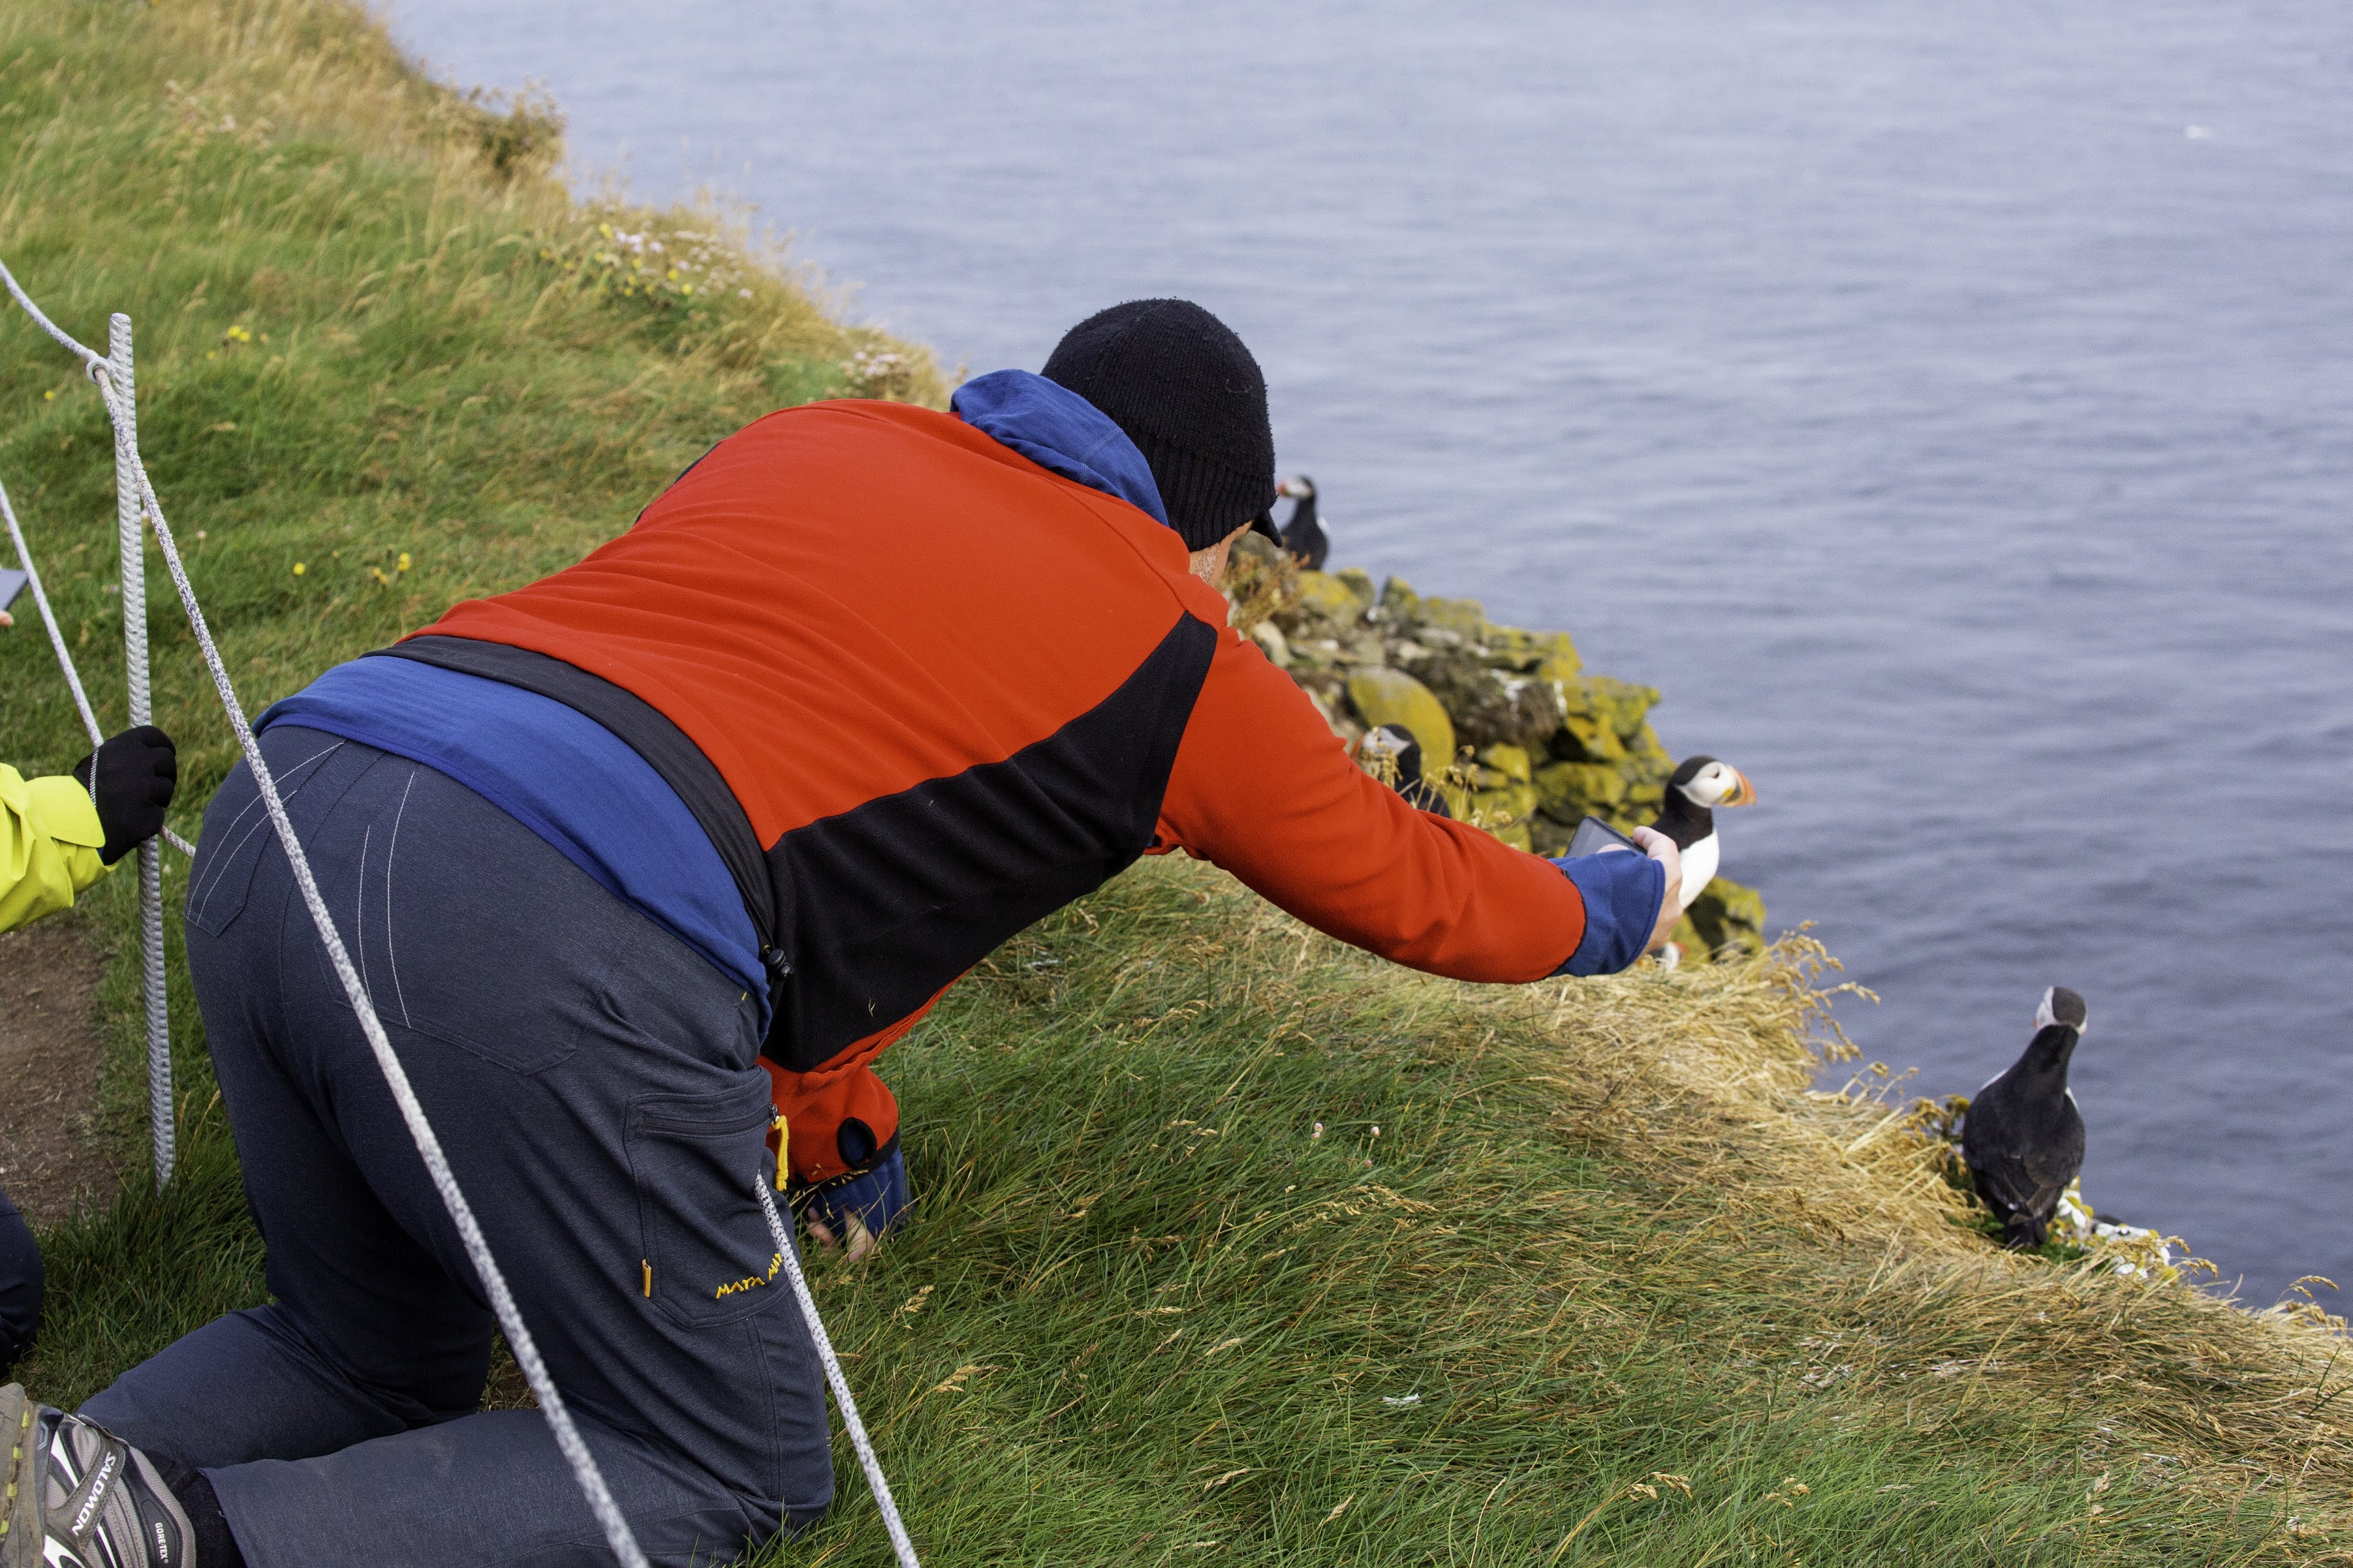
1187	391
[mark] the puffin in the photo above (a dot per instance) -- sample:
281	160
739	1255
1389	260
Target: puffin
1404	752
1303	536
1697	790
2023	1138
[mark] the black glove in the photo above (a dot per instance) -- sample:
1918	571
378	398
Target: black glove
137	772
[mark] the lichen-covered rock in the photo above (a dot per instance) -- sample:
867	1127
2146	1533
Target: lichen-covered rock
1560	671
1648	767
1724	916
1603	721
1466	619
1359	583
1439	623
1621	703
1324	597
1550	656
1495	818
1506	803
1511	762
1585	736
1570	792
1383	695
1490	707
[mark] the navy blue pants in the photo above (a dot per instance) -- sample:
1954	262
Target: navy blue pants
20	1286
593	1080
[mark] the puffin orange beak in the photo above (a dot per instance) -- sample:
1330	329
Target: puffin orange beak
1743	792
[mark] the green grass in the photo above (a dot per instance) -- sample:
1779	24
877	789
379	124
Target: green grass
1609	1284
1198	1317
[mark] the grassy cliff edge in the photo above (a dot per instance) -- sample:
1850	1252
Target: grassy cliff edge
1232	1243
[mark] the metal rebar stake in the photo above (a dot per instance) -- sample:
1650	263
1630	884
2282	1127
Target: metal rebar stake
129	518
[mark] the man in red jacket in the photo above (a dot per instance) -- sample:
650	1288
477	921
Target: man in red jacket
688	834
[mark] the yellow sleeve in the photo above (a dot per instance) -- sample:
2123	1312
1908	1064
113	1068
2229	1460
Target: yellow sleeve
50	840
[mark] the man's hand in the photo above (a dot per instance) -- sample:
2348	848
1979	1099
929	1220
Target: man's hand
860	1239
1662	848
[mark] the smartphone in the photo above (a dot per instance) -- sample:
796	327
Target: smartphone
12	582
1593	835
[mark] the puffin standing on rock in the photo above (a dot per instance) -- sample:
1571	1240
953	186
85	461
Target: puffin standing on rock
1304	536
2023	1138
1699	789
1397	743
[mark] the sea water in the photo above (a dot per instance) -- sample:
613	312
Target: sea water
1948	407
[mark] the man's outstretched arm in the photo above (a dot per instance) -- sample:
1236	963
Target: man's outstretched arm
1263	788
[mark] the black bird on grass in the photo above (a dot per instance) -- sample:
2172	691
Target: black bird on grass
2023	1138
1303	535
1699	788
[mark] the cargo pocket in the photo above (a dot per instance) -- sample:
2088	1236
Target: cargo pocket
709	1257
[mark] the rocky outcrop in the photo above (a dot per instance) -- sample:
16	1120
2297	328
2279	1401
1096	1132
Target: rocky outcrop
1384	695
1536	743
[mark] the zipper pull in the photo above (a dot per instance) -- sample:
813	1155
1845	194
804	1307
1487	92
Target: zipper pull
783	1143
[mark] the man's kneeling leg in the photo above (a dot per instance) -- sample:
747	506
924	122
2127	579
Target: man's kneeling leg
591	1078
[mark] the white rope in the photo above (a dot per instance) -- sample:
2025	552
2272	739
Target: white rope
94	362
65	658
420	1130
833	1375
57	637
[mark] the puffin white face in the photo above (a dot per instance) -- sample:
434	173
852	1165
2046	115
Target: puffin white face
1296	487
1718	786
2061	1005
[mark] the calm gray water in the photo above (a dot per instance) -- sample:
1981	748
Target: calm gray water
1950	407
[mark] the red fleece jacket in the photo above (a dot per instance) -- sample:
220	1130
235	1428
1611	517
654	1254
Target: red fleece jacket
952	689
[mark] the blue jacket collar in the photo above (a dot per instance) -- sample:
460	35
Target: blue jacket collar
1056	428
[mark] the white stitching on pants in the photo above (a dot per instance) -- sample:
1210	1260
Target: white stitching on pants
390	852
359	932
220	869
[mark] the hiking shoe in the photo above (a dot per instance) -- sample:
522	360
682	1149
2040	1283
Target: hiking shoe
73	1495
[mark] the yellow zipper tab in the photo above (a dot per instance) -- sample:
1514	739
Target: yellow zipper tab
649	1276
783	1144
